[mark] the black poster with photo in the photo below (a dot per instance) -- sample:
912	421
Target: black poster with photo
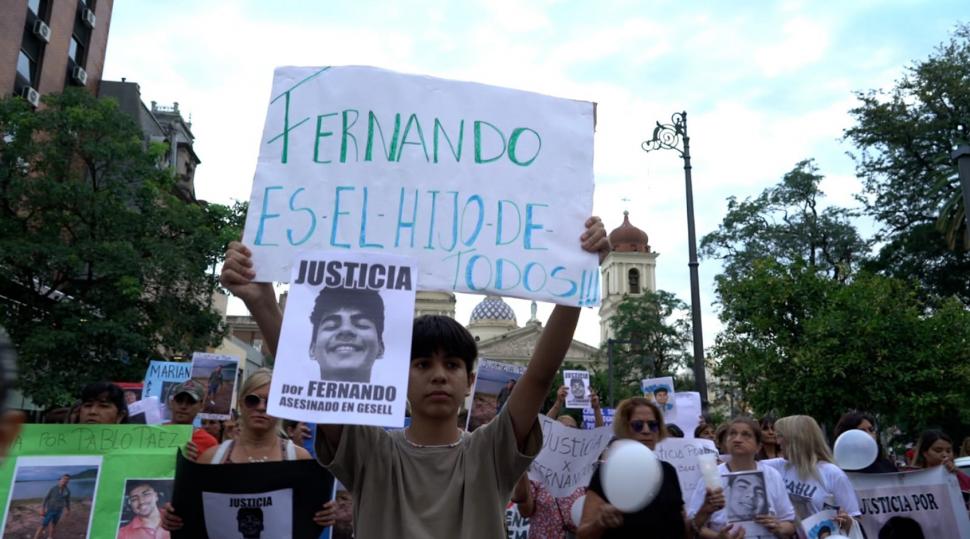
269	500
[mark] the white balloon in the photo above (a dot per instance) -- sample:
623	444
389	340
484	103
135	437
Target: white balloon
576	512
632	476
855	450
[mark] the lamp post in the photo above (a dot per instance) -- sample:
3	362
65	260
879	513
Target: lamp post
671	137
962	158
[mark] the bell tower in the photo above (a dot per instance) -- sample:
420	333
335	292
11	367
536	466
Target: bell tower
629	269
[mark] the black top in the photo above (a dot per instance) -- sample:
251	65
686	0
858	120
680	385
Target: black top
881	465
661	519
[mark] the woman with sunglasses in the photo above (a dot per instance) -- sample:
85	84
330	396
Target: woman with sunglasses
856	420
258	441
706	508
640	420
770	448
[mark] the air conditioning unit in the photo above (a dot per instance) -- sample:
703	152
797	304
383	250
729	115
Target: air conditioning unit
42	31
89	18
32	96
80	75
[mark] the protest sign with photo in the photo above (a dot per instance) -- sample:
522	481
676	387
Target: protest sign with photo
682	454
568	456
820	525
141	505
160	378
275	499
686	412
660	391
94	463
930	497
133	391
589	417
216	373
345	346
746	496
493	386
487	187
577	383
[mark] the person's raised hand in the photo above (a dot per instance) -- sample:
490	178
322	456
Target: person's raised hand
949	465
237	275
170	521
609	517
594	239
561	394
327	515
594	400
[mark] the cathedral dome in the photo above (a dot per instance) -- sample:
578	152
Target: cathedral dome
627	238
493	309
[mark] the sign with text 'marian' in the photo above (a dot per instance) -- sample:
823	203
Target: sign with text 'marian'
87	480
487	187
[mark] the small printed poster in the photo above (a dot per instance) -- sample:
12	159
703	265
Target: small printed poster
345	346
660	391
147	411
216	373
577	383
253	500
494	383
161	378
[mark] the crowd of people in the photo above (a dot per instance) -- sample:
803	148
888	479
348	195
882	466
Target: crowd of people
432	479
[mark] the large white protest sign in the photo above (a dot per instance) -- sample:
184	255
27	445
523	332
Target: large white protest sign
682	454
686	412
577	383
930	497
487	187
568	456
345	345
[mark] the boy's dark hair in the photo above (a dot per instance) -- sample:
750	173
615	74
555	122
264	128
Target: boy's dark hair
435	333
661	389
114	394
367	301
674	431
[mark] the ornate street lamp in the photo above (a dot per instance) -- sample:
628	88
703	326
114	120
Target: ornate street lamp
671	137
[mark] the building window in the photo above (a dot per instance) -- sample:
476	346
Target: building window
634	279
25	68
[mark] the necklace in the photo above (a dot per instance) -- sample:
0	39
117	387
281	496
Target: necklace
439	446
264	458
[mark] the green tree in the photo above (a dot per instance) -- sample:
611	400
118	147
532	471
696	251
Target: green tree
798	342
657	331
787	222
904	137
101	266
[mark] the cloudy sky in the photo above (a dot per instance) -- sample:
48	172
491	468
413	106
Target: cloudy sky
766	84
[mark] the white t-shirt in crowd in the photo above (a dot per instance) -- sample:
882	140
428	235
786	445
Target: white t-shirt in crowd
779	504
834	482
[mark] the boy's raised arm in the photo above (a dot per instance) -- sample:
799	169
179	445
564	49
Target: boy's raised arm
260	299
530	391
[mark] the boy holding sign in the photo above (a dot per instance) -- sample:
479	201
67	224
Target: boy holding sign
432	479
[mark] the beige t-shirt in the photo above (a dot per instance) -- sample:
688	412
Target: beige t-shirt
449	492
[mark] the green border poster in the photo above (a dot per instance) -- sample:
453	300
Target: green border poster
120	451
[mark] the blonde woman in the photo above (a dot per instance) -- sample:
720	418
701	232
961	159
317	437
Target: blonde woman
808	470
640	420
258	441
